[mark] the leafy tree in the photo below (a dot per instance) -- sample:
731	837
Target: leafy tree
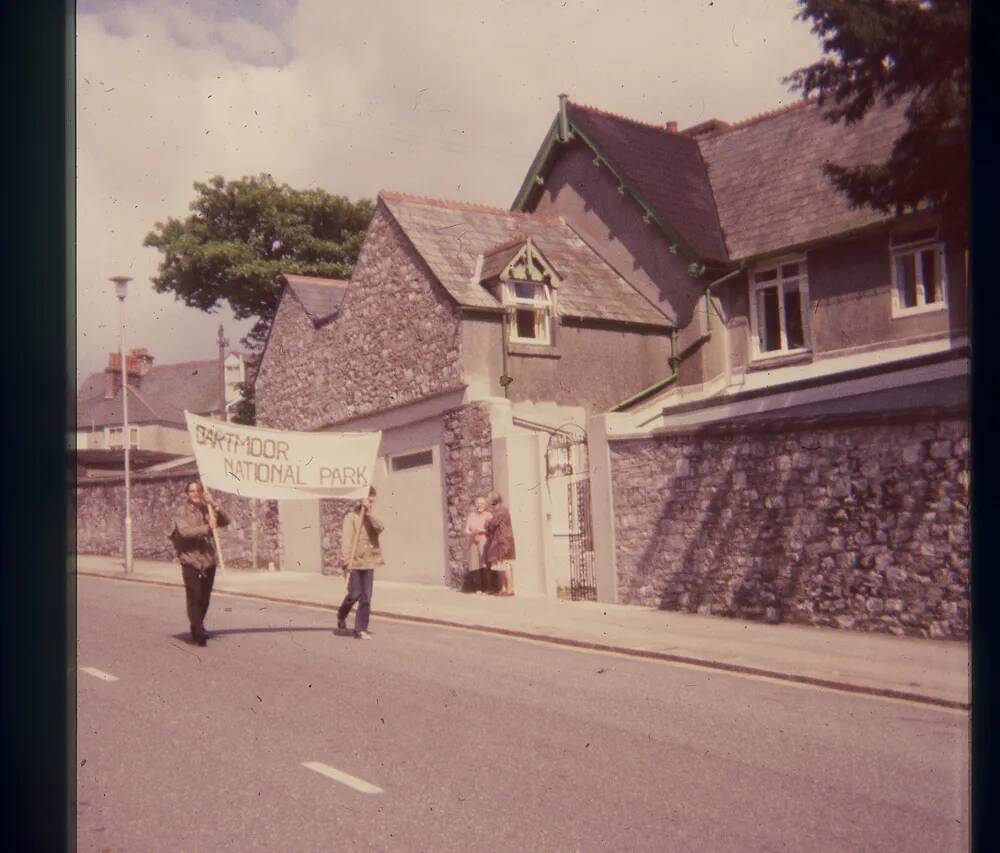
240	237
245	411
915	52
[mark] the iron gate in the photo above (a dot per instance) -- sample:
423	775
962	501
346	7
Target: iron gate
567	463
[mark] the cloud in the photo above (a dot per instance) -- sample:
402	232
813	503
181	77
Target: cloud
439	98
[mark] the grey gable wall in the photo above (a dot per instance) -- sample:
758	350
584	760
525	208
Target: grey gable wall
288	389
587	197
395	340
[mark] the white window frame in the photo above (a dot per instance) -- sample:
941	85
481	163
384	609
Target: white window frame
899	247
543	306
133	437
802	282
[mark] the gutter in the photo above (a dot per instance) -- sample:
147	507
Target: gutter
675	357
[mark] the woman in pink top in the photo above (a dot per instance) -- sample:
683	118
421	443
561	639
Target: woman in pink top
475	528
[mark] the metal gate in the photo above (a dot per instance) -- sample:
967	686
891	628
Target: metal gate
567	464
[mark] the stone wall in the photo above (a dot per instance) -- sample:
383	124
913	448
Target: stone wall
468	473
100	510
331	519
395	340
860	522
290	385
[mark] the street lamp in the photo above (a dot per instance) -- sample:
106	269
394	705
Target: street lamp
121	288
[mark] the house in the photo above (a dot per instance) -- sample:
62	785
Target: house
769	278
701	378
158	395
469	335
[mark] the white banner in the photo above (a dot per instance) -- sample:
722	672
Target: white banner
270	463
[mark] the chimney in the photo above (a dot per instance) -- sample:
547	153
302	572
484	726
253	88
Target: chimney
139	362
112	376
671	127
563	132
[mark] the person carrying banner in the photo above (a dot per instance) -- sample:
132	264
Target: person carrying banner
360	549
195	523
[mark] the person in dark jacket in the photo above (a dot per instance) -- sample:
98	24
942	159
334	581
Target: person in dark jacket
194	522
361	554
500	544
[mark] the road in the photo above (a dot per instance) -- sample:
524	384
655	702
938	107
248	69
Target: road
476	742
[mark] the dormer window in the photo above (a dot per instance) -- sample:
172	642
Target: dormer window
918	272
525	284
531	318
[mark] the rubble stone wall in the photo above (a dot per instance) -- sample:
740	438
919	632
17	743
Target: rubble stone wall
859	523
395	340
331	519
468	473
100	510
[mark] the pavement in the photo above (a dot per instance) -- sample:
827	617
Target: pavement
934	672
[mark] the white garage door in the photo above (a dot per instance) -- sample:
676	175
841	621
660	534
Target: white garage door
410	489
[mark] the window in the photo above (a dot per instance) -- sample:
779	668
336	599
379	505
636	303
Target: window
918	272
420	459
531	317
113	437
779	307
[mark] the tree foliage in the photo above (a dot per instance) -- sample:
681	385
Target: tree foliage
914	52
242	235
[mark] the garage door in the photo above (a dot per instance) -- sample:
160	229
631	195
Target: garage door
410	504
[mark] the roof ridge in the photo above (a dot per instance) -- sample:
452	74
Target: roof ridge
339	282
516	240
772	113
394	195
620	117
182	363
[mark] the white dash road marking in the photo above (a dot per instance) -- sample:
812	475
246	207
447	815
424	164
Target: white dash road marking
342	777
104	676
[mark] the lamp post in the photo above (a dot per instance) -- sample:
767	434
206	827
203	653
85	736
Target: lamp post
121	288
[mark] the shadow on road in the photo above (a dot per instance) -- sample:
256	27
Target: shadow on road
222	632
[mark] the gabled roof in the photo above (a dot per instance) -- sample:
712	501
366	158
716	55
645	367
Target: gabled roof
729	192
767	175
451	237
495	260
666	168
320	298
163	395
531	263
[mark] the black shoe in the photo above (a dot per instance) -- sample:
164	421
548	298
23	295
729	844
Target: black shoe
201	641
341	624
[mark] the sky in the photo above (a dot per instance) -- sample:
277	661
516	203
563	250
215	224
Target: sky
444	98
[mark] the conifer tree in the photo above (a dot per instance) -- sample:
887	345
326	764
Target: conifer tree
915	52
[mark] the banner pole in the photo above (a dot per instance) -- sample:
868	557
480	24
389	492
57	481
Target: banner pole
215	530
354	548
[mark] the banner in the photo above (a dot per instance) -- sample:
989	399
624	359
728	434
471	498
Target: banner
270	463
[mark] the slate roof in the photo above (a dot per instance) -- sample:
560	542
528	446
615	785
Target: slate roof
451	236
496	259
735	191
666	168
162	396
766	174
320	297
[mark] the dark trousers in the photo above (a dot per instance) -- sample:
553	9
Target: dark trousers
198	591
359	589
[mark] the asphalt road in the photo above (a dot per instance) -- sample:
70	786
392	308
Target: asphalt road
476	742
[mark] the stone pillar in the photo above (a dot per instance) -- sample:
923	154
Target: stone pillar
602	508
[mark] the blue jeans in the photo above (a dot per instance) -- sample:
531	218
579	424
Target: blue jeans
359	589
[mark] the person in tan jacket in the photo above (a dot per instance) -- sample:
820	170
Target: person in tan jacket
361	554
